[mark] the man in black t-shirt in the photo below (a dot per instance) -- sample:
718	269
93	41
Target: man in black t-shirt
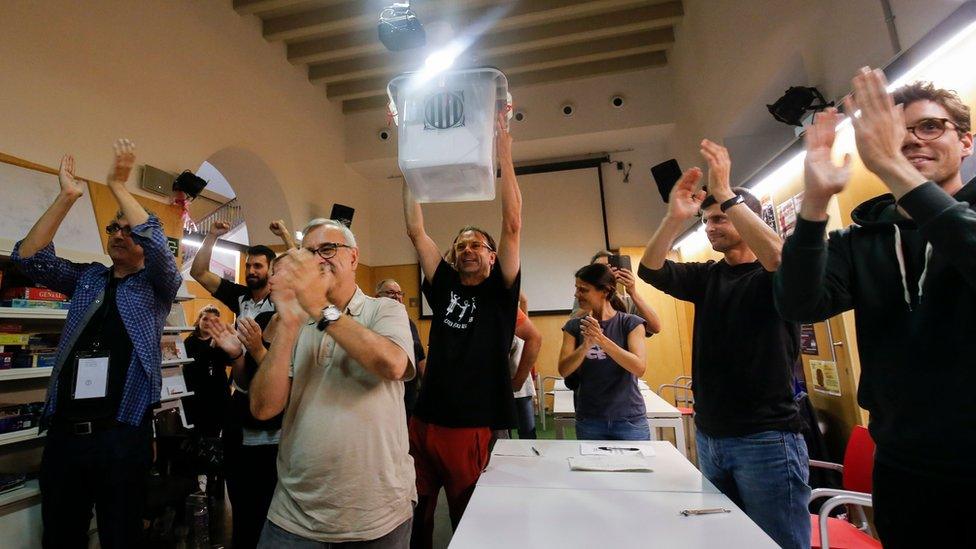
467	388
743	352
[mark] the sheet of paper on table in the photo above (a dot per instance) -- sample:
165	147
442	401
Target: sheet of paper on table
616	463
611	449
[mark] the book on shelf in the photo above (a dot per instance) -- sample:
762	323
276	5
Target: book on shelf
173	347
34	304
32	293
173	383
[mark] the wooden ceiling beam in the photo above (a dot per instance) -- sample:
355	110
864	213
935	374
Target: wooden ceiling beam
560	56
586	70
364	43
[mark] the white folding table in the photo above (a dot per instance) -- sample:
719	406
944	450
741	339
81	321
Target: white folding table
536	501
660	414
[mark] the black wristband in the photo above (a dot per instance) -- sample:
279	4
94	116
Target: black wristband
737	199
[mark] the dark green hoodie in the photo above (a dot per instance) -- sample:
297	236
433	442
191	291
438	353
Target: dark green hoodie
912	285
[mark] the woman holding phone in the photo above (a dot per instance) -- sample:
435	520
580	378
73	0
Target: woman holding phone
605	350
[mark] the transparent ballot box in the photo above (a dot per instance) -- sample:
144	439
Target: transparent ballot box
446	132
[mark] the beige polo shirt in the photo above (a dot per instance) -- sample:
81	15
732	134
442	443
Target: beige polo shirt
344	468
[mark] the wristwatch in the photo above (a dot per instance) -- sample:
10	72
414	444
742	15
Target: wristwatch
329	315
737	199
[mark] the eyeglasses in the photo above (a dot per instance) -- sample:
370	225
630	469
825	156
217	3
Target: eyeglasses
391	293
475	247
115	227
327	250
930	129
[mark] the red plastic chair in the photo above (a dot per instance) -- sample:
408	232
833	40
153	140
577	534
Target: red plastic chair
839	533
684	401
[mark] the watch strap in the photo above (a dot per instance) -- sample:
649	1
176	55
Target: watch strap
737	199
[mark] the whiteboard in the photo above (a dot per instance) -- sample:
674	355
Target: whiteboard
562	227
27	193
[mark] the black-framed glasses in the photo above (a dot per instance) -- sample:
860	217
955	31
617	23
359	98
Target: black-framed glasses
328	249
113	228
391	293
930	129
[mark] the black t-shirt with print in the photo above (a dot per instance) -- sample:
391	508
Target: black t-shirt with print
467	382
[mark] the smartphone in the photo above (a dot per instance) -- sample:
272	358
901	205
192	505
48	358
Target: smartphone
619	261
665	175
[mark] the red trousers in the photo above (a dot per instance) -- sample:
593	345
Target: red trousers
448	457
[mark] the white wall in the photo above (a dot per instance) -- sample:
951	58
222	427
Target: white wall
183	79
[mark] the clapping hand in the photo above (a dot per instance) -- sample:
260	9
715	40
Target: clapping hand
304	274
822	178
684	201
719	170
591	331
66	177
224	337
125	159
249	333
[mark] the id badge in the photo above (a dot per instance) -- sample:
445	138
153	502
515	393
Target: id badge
91	376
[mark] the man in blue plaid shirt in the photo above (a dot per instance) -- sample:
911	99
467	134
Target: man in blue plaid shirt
107	377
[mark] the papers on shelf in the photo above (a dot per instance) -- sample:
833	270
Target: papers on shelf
615	463
614	449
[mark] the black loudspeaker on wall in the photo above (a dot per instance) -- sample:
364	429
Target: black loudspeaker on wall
342	214
665	175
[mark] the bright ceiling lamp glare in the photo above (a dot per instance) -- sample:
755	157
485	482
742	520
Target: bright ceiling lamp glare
793	106
399	29
441	60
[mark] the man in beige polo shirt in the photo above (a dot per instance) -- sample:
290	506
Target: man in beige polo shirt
336	366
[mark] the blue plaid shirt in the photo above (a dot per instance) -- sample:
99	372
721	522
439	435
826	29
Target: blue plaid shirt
144	300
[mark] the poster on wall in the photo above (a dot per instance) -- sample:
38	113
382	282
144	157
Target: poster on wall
824	378
786	217
808	340
768	212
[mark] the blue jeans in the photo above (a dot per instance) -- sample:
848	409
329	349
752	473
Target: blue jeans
526	417
276	537
766	475
612	429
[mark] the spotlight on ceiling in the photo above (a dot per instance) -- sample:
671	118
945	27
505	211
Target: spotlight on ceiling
399	29
795	103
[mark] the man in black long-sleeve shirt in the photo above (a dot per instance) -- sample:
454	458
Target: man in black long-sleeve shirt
908	269
743	352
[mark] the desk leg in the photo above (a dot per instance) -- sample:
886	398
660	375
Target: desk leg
560	424
653	428
679	437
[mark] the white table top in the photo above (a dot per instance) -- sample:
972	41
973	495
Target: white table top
672	472
656	406
499	516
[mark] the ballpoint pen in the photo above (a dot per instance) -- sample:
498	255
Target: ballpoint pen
689	512
536	452
612	448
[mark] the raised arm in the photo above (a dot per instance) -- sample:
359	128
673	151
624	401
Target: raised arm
508	245
200	269
147	230
530	352
683	204
426	248
761	239
125	158
42	233
644	309
812	282
280	230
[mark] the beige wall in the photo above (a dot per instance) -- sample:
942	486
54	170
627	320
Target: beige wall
184	80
